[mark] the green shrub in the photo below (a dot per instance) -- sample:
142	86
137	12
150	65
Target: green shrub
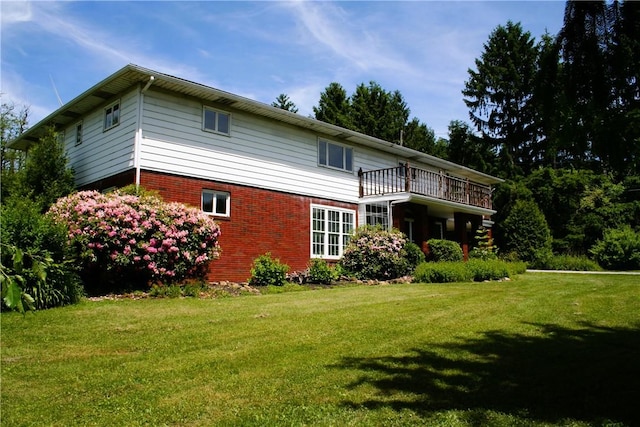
516	267
268	271
571	263
441	272
414	255
165	291
492	269
527	234
619	249
35	256
320	272
376	253
444	250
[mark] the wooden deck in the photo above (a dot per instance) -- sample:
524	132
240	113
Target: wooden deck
406	179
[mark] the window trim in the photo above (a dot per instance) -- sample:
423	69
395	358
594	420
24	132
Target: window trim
383	215
206	108
79	135
106	109
326	155
215	193
342	234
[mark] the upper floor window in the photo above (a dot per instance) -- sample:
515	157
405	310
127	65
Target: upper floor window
112	115
216	121
335	155
216	202
79	133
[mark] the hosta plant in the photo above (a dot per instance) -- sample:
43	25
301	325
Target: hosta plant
124	240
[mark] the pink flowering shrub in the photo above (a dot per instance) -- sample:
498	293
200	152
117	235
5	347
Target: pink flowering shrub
120	238
375	253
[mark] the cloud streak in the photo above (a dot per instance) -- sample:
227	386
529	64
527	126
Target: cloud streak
330	26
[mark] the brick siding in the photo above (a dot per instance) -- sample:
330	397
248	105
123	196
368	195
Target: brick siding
260	221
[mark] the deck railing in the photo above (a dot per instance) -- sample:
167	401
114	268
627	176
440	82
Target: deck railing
406	179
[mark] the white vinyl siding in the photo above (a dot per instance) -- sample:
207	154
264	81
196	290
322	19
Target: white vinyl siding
330	231
258	152
103	154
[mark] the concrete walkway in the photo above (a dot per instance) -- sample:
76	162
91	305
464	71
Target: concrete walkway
629	273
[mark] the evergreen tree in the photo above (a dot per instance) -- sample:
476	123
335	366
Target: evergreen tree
499	97
547	102
283	102
378	113
467	149
586	85
419	136
334	106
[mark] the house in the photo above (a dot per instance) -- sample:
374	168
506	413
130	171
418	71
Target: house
276	181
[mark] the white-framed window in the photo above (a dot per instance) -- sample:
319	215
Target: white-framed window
112	115
330	230
216	121
216	202
78	133
377	214
335	156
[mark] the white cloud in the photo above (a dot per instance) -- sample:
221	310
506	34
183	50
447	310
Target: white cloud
15	12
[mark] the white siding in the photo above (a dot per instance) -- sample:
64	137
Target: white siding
103	153
259	152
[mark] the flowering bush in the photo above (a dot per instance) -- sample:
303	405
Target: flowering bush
136	238
375	253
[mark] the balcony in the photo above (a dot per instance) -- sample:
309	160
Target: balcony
406	179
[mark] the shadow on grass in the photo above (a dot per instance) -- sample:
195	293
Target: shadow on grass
591	374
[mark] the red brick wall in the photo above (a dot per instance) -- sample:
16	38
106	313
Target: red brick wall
261	221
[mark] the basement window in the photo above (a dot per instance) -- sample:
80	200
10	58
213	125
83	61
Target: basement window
216	202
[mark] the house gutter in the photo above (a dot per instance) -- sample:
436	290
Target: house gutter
138	137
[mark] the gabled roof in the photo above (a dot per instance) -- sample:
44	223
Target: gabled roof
132	75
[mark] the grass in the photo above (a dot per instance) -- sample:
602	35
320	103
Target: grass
541	350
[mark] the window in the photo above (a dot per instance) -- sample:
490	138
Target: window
79	133
216	202
216	121
112	116
335	156
330	231
377	214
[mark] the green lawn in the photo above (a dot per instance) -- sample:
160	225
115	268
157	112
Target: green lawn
540	350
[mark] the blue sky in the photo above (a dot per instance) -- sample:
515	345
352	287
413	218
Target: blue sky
260	49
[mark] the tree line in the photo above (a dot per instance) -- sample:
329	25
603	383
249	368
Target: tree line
558	118
565	101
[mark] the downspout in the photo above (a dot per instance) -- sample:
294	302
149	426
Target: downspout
138	137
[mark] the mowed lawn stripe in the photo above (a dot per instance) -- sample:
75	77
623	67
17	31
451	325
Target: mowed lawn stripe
505	352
